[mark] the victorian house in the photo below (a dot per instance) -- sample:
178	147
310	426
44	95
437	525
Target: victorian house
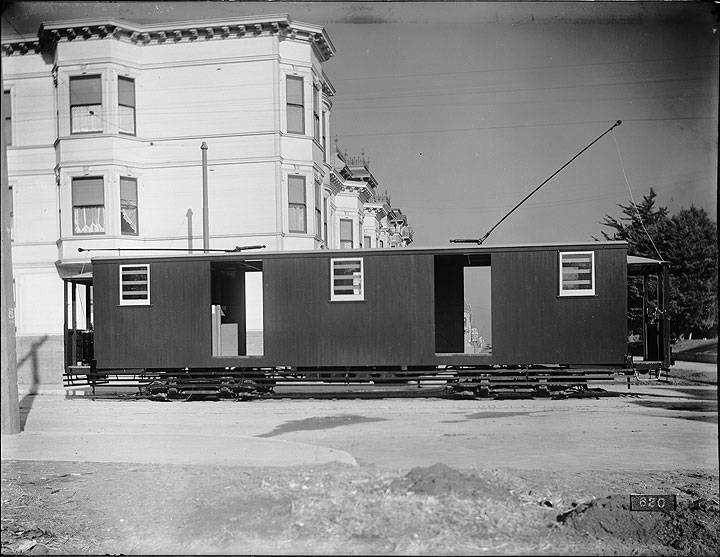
104	122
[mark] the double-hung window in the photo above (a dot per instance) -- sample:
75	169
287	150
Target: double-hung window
128	206
85	104
324	134
325	220
297	206
126	105
134	285
346	279
577	273
366	242
316	113
295	105
7	116
88	201
346	233
318	210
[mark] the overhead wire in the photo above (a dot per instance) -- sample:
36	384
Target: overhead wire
528	68
632	198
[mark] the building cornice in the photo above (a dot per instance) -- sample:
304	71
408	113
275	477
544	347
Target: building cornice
281	25
20	47
362	189
378	209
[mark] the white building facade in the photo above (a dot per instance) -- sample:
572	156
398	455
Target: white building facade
105	122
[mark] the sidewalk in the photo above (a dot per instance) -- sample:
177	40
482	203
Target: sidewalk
58	429
695	372
214	450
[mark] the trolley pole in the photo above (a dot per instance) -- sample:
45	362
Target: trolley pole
206	217
8	354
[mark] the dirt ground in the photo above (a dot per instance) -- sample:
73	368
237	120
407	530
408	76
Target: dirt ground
101	508
434	477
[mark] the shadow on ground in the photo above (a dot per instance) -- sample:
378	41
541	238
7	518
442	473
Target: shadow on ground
27	401
319	422
701	401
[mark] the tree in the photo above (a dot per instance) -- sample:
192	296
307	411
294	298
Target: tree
688	241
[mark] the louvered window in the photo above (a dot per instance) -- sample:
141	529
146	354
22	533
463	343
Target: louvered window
346	279
577	273
134	285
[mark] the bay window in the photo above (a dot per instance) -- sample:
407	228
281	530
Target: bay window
295	105
126	105
88	202
128	206
85	104
346	233
297	206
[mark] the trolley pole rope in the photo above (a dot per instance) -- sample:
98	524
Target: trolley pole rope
479	241
233	250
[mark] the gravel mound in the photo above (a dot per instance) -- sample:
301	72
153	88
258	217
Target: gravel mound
691	529
440	479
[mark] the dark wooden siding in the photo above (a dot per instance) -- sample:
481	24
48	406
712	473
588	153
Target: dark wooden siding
174	331
392	326
532	324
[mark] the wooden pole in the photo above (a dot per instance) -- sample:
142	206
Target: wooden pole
73	309
66	329
9	406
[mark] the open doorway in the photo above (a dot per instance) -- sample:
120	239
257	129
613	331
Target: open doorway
237	308
463	313
478	311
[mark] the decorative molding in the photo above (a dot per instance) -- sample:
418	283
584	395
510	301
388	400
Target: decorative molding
20	47
51	33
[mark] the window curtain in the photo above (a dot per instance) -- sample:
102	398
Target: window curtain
128	206
88	199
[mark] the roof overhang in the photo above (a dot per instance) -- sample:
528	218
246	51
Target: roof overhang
80	273
644	265
53	32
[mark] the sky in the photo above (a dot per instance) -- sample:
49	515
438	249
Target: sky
463	108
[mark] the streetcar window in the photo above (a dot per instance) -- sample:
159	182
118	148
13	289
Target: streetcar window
577	273
134	285
346	279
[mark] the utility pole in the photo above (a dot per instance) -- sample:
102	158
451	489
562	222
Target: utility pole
8	354
206	217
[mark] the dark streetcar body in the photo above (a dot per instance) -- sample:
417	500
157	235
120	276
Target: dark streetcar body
558	315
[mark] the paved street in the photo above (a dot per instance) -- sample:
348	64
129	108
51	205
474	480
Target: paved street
658	427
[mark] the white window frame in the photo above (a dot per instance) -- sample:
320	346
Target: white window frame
583	292
347	297
9	116
288	104
121	106
99	117
73	206
134	302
